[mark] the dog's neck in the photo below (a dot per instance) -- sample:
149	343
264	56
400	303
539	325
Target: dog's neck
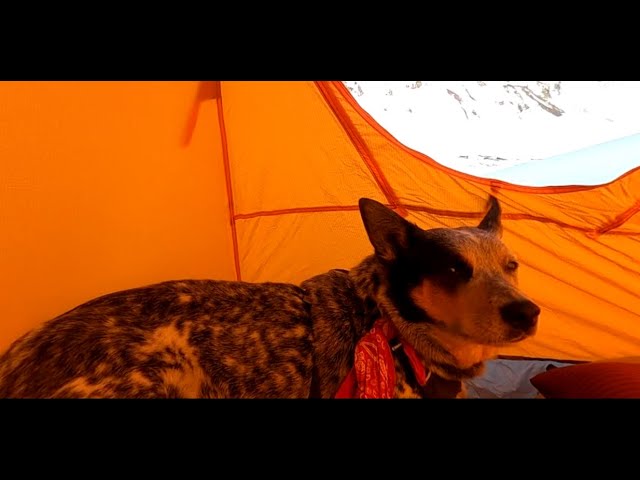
367	280
446	354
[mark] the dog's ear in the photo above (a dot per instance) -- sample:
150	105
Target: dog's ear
491	221
388	232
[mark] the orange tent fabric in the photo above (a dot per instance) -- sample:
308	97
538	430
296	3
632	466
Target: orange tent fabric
112	185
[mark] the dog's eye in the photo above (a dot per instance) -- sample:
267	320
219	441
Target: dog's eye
460	269
512	266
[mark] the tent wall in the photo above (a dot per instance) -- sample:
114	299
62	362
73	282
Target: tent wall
100	192
302	154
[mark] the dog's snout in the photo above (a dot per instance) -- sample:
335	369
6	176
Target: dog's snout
521	314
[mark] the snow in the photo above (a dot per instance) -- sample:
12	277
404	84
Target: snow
487	128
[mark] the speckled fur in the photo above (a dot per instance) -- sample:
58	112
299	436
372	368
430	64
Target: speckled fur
218	339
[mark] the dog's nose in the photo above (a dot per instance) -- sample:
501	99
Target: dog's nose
521	314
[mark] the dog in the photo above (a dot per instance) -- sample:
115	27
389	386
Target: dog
449	293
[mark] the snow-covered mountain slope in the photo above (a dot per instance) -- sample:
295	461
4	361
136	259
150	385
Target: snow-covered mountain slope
480	127
594	165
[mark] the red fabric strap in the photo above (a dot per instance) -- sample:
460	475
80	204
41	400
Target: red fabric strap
373	374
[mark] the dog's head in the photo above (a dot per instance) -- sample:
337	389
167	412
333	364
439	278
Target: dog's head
462	280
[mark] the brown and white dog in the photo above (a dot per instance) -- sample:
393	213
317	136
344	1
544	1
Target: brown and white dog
450	293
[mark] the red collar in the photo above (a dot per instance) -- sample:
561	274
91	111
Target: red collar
373	374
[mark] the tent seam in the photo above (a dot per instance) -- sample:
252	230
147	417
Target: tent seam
361	148
433	211
620	219
227	175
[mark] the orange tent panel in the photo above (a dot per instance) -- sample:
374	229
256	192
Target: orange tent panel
110	185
